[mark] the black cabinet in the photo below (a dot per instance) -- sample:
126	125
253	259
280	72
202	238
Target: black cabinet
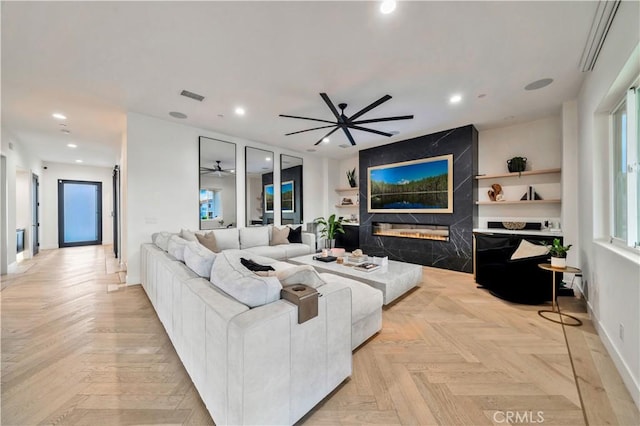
350	240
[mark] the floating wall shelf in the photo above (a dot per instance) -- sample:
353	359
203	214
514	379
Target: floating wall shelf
516	174
498	203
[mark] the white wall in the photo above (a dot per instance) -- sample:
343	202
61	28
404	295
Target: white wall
17	157
540	141
162	181
611	277
49	198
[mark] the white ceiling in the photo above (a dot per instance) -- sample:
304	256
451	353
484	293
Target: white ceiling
94	61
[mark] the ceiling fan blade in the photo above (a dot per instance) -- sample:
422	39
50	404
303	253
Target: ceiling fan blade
348	133
307	118
378	132
326	136
308	130
377	120
331	106
366	109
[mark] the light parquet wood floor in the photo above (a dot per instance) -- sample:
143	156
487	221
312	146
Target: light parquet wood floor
78	347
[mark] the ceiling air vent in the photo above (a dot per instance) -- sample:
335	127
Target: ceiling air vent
192	95
602	20
344	145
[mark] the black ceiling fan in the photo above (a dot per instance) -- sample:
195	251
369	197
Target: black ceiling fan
217	169
345	123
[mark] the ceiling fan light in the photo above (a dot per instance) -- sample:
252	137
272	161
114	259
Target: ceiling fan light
387	6
455	99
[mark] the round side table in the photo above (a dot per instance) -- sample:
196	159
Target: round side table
555	309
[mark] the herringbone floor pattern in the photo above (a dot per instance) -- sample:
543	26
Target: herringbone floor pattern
79	348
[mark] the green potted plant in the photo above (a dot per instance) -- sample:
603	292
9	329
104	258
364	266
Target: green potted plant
558	254
351	177
330	227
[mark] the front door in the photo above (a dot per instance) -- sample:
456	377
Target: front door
79	213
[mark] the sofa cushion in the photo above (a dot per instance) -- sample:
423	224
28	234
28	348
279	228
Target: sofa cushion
230	276
295	235
295	250
227	238
175	247
273	252
528	249
199	258
279	235
209	241
254	236
161	239
364	298
302	274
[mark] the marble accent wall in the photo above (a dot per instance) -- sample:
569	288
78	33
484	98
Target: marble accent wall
455	254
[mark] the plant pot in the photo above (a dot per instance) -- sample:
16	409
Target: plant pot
558	262
353	183
329	244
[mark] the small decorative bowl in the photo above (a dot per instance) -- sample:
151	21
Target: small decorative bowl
514	225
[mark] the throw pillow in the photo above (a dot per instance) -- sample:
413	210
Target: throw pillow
209	241
303	274
188	235
253	266
280	236
527	249
161	239
176	246
295	235
199	258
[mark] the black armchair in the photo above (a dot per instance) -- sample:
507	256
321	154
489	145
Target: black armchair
519	281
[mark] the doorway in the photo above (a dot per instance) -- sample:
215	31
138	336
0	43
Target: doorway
79	213
35	207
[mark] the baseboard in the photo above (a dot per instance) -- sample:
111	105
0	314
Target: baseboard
630	382
11	268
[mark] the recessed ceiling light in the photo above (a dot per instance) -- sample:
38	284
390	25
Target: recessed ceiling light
325	140
65	131
538	84
240	111
176	114
388	6
455	99
232	170
268	158
78	161
59	116
72	145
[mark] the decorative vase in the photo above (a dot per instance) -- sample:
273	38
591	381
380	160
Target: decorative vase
517	164
558	262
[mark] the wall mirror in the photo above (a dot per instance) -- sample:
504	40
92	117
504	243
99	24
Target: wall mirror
260	191
291	198
217	189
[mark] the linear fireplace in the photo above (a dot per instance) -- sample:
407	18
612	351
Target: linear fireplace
411	230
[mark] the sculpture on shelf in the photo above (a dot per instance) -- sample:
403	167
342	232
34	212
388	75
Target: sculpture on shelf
495	193
517	164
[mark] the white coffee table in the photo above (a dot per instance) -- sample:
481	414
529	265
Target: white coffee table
393	280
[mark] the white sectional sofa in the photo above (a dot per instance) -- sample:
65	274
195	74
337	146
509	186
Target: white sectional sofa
258	365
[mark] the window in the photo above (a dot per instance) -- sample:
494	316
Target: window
210	204
625	226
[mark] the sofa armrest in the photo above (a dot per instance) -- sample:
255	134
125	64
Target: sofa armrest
279	369
309	239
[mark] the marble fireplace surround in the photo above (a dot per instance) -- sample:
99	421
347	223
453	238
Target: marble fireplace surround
455	254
